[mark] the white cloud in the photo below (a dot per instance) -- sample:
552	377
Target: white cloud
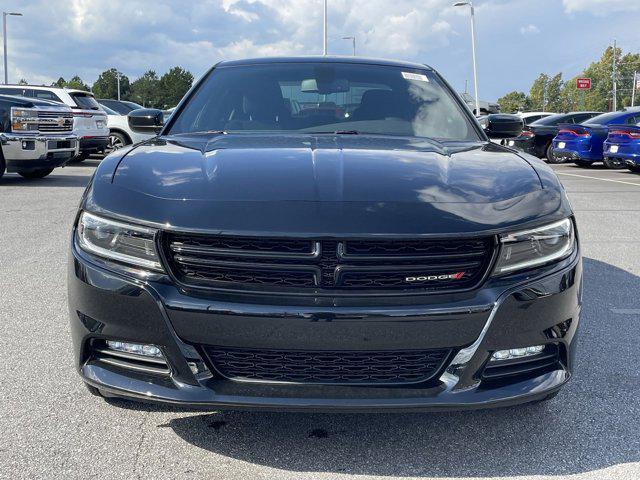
86	37
601	7
529	30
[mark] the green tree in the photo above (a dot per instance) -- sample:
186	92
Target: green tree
106	86
145	90
514	102
627	66
77	83
173	85
555	100
537	94
60	83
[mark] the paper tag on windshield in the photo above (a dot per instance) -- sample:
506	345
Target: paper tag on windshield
415	76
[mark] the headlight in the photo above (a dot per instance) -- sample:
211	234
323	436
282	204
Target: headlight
531	248
124	243
24	120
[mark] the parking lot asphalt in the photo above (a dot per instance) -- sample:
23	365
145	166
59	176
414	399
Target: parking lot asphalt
53	428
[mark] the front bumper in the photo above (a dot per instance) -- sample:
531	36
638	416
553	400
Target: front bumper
33	152
504	314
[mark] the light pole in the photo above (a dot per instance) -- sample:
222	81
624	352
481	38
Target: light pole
4	35
473	51
325	28
353	40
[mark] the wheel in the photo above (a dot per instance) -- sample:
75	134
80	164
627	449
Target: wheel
551	157
633	168
582	163
33	174
116	141
2	164
81	157
613	163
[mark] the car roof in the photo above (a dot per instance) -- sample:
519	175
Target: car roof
536	113
34	101
323	59
45	87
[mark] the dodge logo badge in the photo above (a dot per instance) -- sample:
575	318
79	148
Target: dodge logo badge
434	278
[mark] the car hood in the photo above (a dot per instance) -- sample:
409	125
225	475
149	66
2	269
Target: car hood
330	184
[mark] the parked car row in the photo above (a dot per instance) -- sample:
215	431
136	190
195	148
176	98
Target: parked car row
48	127
584	138
89	120
537	137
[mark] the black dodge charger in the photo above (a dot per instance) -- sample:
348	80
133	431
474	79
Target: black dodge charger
324	233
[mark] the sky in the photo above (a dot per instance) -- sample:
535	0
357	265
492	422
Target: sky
517	39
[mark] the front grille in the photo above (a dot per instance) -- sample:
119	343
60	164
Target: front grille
313	266
55	122
327	367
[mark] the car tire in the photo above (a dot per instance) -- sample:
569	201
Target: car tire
3	165
550	156
613	164
116	141
583	164
633	168
34	174
81	157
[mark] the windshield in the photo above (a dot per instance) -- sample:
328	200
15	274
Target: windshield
107	110
605	118
550	120
85	100
116	106
325	98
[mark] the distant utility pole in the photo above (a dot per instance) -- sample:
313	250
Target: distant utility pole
615	83
4	35
473	50
118	77
633	90
325	28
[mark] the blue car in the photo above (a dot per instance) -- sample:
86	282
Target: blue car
583	144
622	147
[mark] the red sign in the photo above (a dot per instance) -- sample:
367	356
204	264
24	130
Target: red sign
583	83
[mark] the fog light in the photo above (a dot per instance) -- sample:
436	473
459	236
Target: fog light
517	353
135	348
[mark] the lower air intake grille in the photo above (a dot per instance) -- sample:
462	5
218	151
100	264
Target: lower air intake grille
311	266
525	367
328	367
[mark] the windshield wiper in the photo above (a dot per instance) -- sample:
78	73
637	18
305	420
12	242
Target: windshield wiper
334	132
212	132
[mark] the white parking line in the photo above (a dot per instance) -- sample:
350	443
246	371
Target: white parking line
596	178
626	311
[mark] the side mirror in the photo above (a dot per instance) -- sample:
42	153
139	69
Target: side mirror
500	125
146	120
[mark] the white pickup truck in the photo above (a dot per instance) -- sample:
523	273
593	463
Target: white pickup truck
89	120
36	136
